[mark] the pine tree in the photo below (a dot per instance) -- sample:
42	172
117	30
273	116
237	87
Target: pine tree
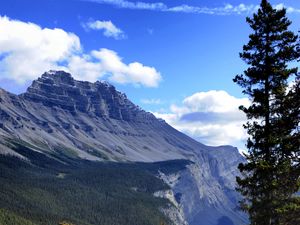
270	178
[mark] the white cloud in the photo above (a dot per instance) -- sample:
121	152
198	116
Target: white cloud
213	101
289	9
211	117
83	68
133	5
119	72
109	29
227	9
27	50
279	6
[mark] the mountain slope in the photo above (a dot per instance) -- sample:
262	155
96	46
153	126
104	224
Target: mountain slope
93	119
48	191
80	120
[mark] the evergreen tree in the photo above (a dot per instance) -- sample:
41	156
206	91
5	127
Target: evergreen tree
270	178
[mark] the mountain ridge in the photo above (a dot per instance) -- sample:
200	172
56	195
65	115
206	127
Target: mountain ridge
59	115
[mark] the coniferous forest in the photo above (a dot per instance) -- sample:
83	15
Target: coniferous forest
55	190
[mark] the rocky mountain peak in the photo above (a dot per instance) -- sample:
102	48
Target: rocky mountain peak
57	77
58	89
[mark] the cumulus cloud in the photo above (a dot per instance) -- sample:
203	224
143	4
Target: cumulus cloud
108	28
84	68
226	9
213	101
211	117
27	50
120	72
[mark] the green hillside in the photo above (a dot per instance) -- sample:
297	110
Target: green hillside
49	190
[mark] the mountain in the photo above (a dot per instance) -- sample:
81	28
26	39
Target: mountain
63	119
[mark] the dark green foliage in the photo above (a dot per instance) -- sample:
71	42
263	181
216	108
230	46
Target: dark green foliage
11	218
54	188
270	178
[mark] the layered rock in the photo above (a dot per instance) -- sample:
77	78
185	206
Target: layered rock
100	99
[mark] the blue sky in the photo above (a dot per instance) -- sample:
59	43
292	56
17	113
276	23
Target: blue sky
176	58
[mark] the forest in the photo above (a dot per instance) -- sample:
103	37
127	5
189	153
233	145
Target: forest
59	190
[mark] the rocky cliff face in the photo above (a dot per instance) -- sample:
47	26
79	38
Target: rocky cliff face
205	190
59	115
100	99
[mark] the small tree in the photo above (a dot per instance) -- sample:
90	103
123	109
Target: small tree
270	177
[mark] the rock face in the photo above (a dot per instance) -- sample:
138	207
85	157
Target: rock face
60	115
205	190
100	99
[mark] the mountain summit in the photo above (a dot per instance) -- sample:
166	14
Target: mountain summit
99	99
93	120
59	115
